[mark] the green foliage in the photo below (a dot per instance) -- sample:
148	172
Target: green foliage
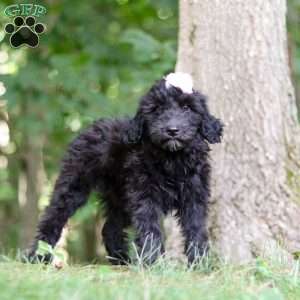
95	60
293	23
294	32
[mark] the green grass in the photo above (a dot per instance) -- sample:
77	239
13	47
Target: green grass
263	279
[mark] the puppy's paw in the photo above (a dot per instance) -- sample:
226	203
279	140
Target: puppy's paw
31	256
39	252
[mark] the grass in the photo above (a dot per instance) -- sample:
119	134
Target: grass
264	279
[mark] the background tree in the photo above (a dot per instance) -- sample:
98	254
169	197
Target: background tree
237	53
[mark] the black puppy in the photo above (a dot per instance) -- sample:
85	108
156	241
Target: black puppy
143	168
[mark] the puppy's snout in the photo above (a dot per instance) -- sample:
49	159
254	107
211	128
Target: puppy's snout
172	131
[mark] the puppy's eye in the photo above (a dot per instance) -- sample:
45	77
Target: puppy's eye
185	107
153	108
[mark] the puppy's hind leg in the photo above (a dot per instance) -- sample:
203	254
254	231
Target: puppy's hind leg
70	193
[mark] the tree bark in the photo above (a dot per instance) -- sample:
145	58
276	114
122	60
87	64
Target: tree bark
237	54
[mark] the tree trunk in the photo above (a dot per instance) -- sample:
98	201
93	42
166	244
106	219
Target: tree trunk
31	181
89	239
237	54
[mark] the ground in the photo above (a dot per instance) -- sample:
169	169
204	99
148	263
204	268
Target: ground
263	279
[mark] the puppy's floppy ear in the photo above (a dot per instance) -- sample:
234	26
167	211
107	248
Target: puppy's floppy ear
211	128
133	133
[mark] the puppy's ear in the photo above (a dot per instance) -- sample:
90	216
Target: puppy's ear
133	133
211	128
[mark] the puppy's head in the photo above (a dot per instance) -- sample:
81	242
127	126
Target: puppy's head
172	114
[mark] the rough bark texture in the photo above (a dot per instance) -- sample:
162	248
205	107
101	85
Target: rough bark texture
237	53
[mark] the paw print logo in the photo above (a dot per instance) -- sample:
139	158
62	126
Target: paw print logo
24	32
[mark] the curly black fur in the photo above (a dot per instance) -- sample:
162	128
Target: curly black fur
143	167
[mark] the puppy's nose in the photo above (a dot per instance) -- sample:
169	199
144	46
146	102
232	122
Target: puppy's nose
172	131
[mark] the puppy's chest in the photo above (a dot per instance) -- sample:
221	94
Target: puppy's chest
171	184
171	193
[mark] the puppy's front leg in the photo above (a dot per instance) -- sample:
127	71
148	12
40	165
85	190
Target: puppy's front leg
193	223
145	217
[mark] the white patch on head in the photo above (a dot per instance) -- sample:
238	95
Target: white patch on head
183	81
